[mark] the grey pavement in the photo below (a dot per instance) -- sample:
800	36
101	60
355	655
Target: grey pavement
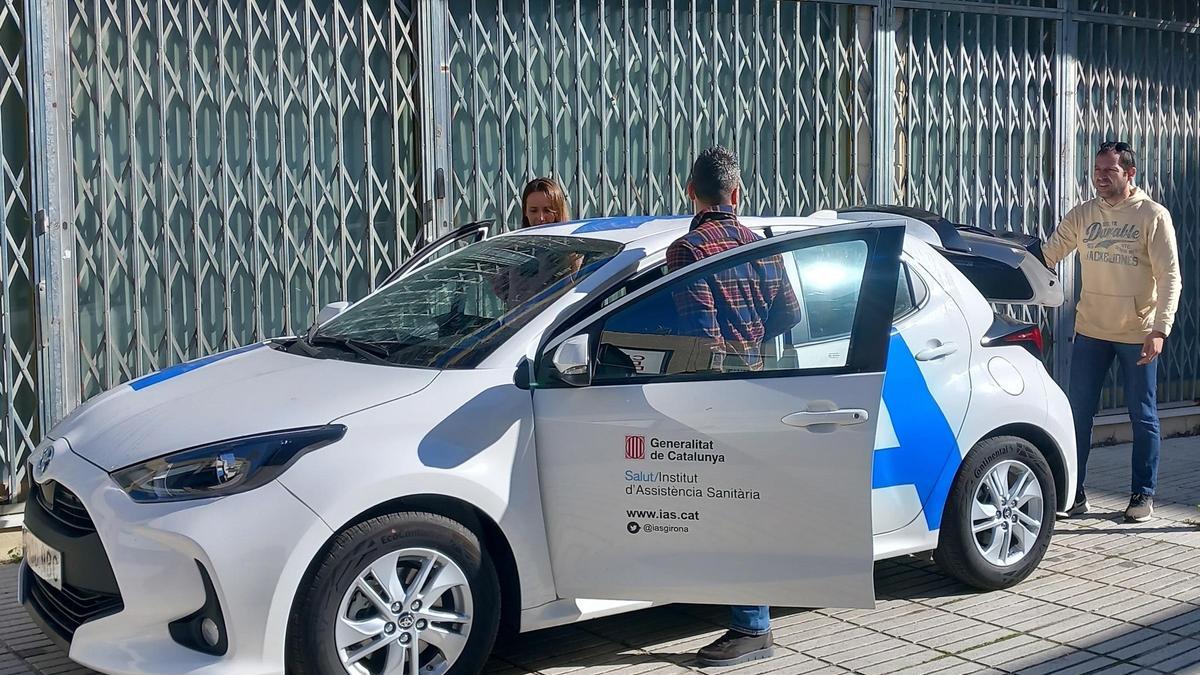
1109	597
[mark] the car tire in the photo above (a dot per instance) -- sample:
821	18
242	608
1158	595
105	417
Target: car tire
999	555
331	590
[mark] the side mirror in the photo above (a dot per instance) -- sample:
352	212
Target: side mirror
572	362
331	310
327	312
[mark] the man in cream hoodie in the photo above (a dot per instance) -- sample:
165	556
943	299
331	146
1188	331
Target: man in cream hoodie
1131	287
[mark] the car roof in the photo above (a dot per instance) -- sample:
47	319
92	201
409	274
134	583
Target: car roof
629	229
654	233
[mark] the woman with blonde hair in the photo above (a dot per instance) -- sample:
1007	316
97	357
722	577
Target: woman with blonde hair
543	202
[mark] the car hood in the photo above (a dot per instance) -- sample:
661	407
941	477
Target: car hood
245	391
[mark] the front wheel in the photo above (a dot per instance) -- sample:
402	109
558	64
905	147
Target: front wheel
999	514
402	594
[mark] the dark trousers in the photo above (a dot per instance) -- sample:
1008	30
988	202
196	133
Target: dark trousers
753	620
1090	361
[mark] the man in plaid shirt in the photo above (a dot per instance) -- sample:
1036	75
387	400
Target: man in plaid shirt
738	308
734	310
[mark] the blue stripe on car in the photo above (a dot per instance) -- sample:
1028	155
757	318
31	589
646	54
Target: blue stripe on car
609	224
927	456
180	369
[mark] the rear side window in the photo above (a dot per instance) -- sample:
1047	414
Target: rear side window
910	293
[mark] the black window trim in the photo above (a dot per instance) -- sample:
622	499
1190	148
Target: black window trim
914	279
477	229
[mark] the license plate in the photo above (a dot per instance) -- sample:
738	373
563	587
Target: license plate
45	561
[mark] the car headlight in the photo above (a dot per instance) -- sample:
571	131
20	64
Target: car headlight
222	468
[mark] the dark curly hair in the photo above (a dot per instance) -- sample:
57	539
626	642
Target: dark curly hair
714	175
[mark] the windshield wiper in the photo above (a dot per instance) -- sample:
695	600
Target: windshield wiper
366	349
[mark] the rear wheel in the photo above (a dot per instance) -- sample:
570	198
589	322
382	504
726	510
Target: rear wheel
999	515
402	594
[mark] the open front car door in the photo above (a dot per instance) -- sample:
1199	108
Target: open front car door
679	465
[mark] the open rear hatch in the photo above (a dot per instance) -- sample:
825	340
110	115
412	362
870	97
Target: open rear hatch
1006	267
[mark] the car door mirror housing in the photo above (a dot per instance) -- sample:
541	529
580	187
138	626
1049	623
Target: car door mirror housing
572	363
330	310
327	312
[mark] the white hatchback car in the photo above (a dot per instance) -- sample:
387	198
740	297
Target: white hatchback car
526	431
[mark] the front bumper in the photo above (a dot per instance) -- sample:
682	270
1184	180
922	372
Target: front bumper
89	591
142	567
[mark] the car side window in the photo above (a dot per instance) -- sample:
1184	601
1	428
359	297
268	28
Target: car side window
910	291
782	311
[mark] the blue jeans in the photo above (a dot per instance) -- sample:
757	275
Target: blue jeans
1090	360
750	620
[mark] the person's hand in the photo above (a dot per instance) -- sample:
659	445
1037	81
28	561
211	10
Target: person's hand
1151	348
574	262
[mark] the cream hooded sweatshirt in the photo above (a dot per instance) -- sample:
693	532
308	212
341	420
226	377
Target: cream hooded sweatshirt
1129	263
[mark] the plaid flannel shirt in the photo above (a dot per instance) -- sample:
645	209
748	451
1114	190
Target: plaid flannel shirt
739	307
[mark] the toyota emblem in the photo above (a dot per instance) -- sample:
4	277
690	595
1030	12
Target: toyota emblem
43	463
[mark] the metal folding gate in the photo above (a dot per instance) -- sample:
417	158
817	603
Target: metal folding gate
184	176
235	164
616	98
19	420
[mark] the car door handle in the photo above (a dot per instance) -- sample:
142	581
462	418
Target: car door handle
939	351
829	418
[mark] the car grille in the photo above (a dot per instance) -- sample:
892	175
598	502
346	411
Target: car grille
66	610
62	505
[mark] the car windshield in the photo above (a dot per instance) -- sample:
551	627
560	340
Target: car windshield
454	311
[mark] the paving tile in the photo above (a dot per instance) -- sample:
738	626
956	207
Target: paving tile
1005	649
1121	669
945	665
856	642
1183	624
915	656
878	654
1077	628
1114	639
962	639
1144	651
1165	652
1055	660
1188	662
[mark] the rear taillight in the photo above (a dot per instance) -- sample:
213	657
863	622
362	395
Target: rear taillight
1006	331
1030	338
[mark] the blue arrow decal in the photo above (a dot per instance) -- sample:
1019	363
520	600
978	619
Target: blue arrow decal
927	456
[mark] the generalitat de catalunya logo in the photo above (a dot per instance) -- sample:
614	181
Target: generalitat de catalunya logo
635	447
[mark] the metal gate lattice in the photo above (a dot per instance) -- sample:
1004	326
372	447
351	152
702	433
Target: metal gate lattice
615	99
236	165
19	423
1184	11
